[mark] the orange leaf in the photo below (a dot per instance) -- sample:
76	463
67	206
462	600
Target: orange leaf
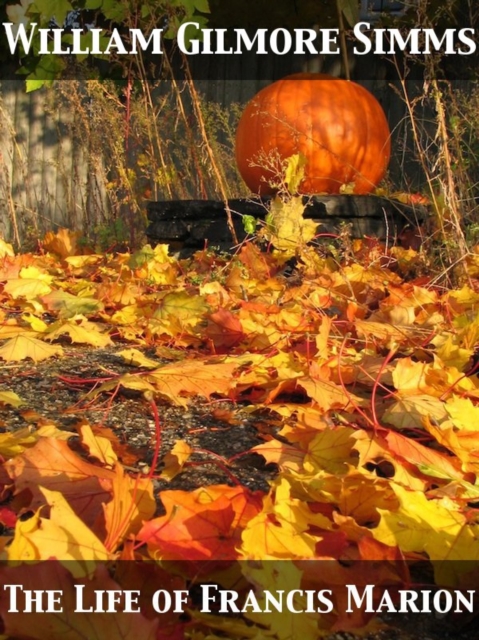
201	525
63	243
193	378
431	462
52	464
131	505
224	329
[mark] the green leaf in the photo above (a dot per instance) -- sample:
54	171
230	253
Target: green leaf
192	33
111	9
141	257
57	9
202	6
350	10
34	85
114	10
49	68
249	224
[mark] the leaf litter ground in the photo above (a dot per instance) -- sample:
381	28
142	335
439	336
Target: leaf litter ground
323	414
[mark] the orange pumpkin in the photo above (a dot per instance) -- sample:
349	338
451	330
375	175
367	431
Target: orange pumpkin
336	124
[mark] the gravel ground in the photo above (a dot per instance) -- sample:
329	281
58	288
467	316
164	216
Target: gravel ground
48	395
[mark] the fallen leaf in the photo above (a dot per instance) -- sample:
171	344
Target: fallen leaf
67	305
204	524
131	505
28	288
175	459
98	447
80	331
63	242
11	398
26	346
62	536
50	463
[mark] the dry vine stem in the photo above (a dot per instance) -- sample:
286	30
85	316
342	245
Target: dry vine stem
209	150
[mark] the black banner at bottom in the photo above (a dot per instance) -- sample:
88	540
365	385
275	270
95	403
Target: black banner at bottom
145	600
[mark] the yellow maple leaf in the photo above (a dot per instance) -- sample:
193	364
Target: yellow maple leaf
127	381
462	299
11	398
36	323
451	353
361	495
264	537
390	334
6	249
11	444
293	511
193	378
260	333
63	536
280	530
28	288
373	449
410	411
79	262
183	308
175	459
464	414
136	358
330	450
11	328
15	442
36	273
462	443
286	226
419	378
129	315
26	346
434	527
81	331
294	171
256	368
327	394
98	447
154	264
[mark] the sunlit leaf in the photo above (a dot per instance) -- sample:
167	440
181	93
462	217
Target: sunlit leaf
26	346
11	398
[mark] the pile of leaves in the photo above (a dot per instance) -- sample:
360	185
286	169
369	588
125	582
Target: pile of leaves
365	374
